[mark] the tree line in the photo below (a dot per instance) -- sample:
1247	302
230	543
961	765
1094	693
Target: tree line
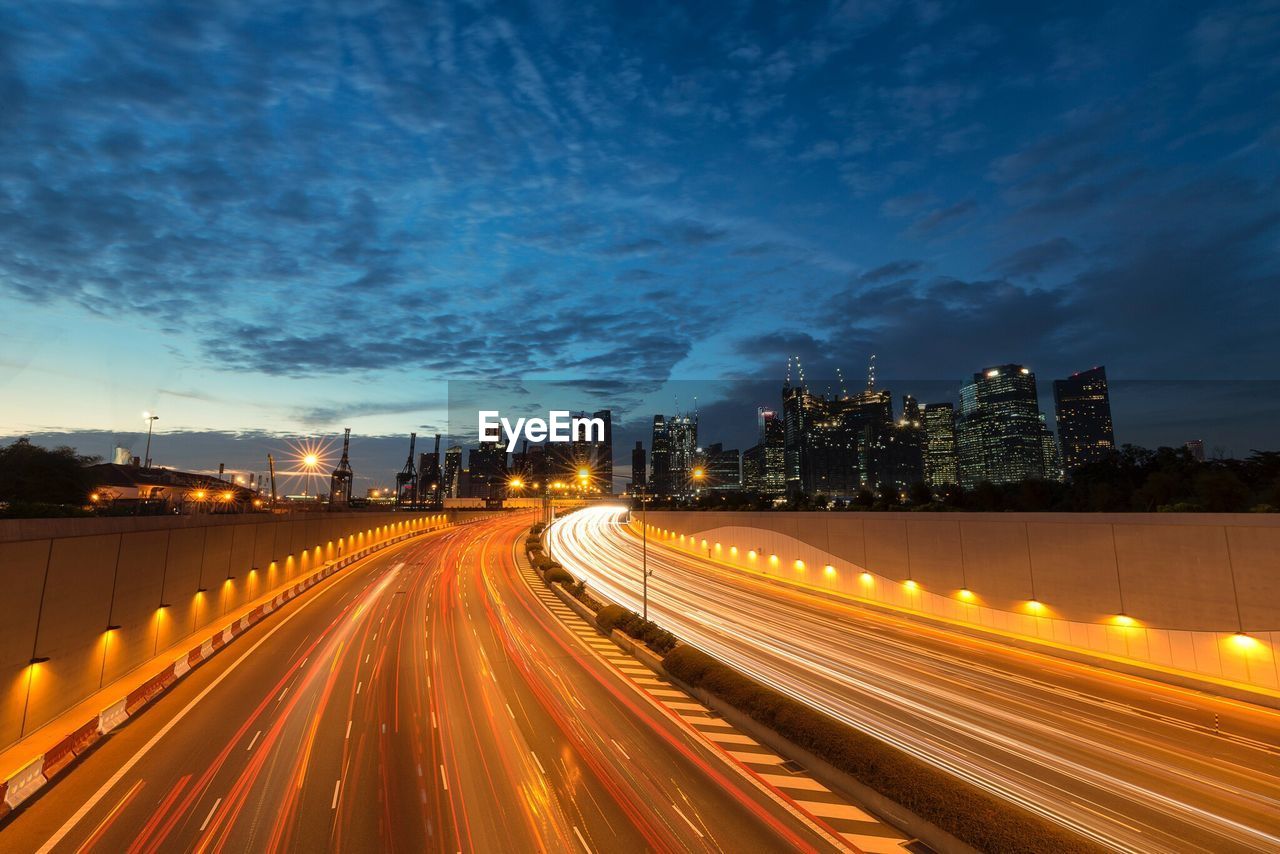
1132	479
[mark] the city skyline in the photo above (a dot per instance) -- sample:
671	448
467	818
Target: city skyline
523	425
943	186
1147	414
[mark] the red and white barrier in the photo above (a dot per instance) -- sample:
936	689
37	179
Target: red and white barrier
28	780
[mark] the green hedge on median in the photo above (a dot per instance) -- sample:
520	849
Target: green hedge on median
558	573
633	625
963	810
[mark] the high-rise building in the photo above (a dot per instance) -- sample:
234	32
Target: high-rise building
797	412
771	437
684	447
1082	407
1052	455
452	472
638	465
999	427
1196	448
836	446
753	468
940	445
673	454
911	409
487	464
723	468
429	475
660	457
896	453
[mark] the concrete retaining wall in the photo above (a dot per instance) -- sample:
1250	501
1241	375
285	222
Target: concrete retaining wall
1166	590
158	580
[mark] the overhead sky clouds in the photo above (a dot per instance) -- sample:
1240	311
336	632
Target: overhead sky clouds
292	217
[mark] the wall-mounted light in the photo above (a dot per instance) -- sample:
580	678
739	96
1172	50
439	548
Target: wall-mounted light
910	584
1244	641
866	578
965	593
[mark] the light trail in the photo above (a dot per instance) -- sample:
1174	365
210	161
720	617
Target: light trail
1101	756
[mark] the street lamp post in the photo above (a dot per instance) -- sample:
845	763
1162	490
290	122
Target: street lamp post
151	420
644	549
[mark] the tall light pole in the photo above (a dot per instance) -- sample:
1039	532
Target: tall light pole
151	420
644	549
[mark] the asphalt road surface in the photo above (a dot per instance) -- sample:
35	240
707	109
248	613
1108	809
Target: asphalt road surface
420	700
1129	762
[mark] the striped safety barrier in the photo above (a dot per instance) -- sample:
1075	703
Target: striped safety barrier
32	777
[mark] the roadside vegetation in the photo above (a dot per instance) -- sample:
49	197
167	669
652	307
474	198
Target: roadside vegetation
965	811
636	627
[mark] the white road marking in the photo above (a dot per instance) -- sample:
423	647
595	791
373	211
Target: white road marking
108	786
337	786
686	820
252	743
209	817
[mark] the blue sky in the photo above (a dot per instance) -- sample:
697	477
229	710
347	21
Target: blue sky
294	217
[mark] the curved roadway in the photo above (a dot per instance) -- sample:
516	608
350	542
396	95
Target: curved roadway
1128	762
420	700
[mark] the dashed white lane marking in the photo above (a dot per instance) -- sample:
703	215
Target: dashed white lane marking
209	817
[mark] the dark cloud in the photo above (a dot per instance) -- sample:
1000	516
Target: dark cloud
943	219
291	191
892	270
1030	261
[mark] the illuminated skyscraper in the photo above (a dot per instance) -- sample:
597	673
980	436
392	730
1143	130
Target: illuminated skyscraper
723	468
999	431
660	457
452	472
940	445
1082	406
762	464
672	454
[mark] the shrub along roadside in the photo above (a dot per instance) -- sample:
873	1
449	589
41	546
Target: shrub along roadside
558	574
633	625
963	810
552	572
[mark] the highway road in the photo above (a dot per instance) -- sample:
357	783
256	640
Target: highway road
1129	762
421	700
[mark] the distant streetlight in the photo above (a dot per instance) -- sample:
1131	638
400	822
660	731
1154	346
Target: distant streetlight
151	420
